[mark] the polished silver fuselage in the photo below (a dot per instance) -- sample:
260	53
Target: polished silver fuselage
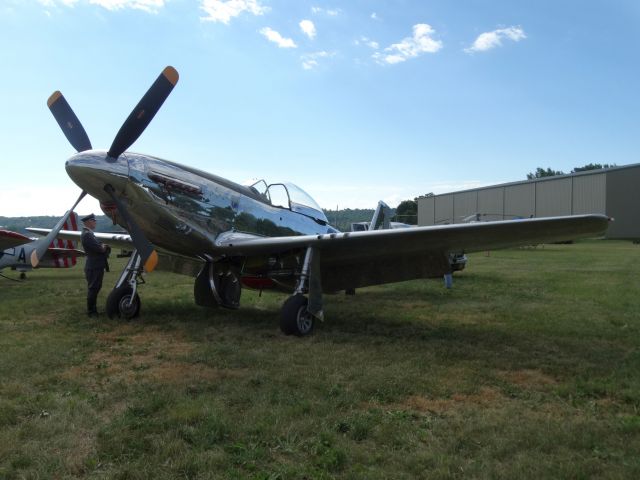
182	209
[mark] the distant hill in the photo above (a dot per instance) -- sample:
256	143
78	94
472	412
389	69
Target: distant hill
19	224
341	219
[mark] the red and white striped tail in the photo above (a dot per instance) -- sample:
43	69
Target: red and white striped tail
64	261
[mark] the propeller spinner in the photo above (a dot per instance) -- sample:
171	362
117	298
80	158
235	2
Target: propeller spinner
131	129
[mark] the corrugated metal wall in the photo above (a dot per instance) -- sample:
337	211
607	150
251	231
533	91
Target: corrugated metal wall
426	210
444	209
623	203
553	198
464	204
491	203
590	194
614	192
520	201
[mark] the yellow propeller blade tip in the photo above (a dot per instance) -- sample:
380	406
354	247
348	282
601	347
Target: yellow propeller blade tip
53	98
152	262
171	74
35	260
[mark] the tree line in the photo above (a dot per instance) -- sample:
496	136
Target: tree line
549	172
19	224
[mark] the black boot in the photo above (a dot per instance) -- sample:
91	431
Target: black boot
92	310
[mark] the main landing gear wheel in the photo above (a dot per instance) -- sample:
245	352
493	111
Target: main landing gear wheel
295	319
120	304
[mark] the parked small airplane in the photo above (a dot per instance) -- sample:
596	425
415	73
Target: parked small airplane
22	253
260	235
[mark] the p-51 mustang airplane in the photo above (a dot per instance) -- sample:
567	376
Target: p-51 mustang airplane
23	253
262	235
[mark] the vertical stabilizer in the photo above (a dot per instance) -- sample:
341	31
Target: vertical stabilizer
63	261
381	217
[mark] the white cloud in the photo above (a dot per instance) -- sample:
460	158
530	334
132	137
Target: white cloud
276	38
410	47
53	3
488	40
326	11
224	10
368	42
310	60
308	28
150	6
374	16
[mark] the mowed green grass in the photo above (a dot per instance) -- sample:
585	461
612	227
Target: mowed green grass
528	368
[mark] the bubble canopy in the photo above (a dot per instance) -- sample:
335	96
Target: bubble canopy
297	200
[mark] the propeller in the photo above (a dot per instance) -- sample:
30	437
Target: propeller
43	246
144	112
129	132
143	246
69	123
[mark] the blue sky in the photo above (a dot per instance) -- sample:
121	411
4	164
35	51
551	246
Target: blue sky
354	101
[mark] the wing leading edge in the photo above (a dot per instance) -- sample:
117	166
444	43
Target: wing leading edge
468	237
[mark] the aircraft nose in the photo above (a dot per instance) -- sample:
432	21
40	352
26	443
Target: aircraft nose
92	170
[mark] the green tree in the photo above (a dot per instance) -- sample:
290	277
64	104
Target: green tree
541	173
407	212
592	166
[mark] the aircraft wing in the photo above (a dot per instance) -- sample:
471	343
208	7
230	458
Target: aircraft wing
9	239
63	253
356	259
119	240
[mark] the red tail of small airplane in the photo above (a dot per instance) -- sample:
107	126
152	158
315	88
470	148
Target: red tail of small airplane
63	251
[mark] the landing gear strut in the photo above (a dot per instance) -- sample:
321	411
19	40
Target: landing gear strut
298	313
123	301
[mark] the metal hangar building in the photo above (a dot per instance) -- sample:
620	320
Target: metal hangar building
613	191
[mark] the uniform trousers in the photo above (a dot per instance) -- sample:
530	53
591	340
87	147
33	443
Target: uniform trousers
94	284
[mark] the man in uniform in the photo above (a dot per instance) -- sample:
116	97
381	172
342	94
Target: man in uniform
96	262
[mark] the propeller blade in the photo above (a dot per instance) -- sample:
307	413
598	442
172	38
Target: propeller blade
143	245
42	247
144	112
69	123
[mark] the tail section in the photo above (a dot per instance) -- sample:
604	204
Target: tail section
381	217
63	251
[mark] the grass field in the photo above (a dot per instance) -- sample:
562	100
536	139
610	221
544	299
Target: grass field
528	368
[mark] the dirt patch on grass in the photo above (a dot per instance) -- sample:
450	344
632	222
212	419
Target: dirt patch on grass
126	354
528	378
178	373
83	445
486	397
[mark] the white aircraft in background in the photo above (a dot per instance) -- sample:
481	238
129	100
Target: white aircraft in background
21	253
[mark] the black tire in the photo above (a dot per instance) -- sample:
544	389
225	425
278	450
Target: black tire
295	319
118	303
230	291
